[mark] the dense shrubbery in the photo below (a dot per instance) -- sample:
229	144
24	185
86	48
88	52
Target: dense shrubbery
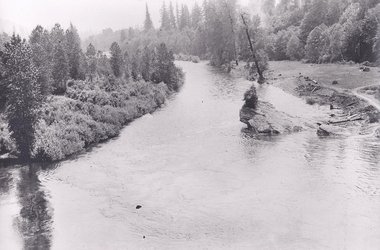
90	113
58	100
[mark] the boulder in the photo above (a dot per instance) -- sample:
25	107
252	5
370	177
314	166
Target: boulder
327	130
265	119
377	133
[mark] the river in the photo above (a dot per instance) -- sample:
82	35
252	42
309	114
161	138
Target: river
202	183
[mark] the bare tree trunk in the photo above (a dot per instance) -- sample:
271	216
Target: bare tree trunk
254	57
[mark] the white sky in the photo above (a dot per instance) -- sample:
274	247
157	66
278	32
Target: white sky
89	16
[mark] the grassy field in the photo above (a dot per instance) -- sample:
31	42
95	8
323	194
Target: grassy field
284	74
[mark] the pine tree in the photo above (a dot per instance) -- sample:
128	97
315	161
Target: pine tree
185	17
73	51
196	16
146	64
173	23
91	61
116	59
41	54
148	24
60	70
20	77
165	20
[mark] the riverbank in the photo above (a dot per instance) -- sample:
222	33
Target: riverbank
88	113
336	86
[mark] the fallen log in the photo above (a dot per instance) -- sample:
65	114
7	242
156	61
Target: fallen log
346	120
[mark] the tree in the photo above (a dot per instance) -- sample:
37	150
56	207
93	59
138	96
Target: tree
148	24
316	43
146	63
196	16
73	51
253	52
135	65
314	17
165	20
164	66
41	53
60	71
91	61
57	35
294	48
20	77
116	59
184	20
268	7
173	22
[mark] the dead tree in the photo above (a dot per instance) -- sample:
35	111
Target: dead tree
253	54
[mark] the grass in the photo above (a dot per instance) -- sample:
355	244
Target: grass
348	76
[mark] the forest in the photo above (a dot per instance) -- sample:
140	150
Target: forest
315	31
58	95
57	100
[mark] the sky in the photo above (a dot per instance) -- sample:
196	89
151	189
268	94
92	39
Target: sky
89	16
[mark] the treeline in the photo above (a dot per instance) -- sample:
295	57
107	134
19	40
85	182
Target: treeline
323	30
59	99
316	31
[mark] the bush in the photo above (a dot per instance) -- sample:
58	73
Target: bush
250	98
90	113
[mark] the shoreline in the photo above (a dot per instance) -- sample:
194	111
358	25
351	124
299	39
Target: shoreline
95	123
350	113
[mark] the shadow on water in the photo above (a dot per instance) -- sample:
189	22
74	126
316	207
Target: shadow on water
34	221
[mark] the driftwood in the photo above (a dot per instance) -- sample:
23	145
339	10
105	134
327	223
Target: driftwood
346	120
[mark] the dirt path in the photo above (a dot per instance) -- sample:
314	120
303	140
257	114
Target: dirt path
367	98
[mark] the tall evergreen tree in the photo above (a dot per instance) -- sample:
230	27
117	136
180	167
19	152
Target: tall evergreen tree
148	24
91	61
41	53
165	19
20	77
116	59
196	16
146	63
60	71
185	17
73	50
173	23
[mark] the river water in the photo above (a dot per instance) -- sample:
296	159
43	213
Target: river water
202	181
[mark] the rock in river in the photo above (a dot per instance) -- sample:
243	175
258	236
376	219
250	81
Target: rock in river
265	119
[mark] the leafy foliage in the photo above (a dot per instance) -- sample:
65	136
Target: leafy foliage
20	78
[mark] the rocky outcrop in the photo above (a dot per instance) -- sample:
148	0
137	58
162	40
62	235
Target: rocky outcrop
265	119
328	130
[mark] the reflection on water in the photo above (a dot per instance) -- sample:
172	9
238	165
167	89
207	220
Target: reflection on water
203	181
25	208
35	218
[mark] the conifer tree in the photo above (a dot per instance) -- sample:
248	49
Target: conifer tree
60	70
146	63
148	24
173	23
73	51
116	59
91	61
20	77
41	54
165	19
